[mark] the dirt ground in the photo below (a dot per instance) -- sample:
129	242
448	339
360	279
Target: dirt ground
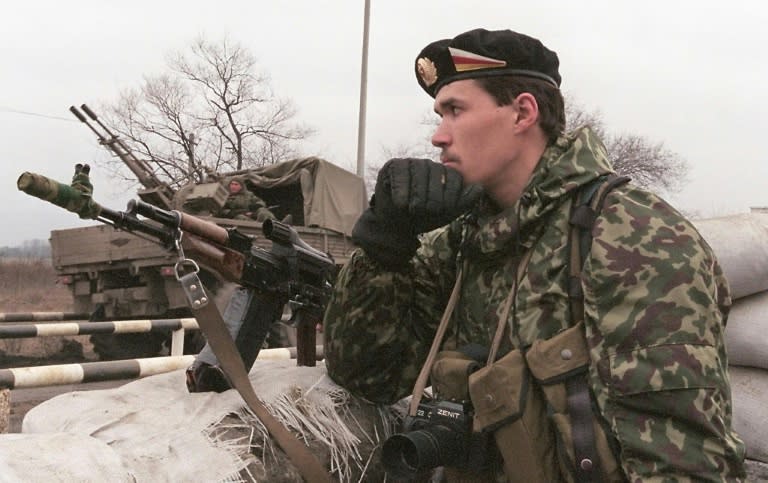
30	286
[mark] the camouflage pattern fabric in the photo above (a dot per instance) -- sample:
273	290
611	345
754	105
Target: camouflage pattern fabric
656	303
75	198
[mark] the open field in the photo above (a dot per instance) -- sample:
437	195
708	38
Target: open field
29	285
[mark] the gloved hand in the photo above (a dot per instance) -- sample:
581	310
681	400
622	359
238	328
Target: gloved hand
81	180
412	196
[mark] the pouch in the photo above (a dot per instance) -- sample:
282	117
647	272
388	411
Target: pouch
449	376
554	363
509	405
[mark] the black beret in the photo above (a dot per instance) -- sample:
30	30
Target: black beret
484	53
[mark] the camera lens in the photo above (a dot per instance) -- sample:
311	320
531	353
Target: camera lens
407	454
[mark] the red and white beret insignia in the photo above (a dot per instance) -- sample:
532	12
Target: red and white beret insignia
464	61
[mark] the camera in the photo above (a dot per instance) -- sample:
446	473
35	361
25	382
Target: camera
440	434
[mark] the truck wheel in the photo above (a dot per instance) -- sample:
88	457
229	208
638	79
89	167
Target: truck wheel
112	347
194	341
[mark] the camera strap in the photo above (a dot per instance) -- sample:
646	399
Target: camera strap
426	369
502	325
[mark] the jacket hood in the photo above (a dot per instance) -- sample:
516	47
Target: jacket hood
574	160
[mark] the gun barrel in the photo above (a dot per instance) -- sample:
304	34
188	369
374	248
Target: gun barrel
164	217
82	119
88	111
278	232
283	234
93	117
77	114
81	203
175	219
128	221
61	195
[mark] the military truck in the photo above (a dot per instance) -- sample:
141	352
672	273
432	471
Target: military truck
116	275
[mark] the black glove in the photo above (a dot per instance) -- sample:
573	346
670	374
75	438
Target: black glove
412	196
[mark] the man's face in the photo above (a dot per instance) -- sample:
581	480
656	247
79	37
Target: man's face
235	187
476	135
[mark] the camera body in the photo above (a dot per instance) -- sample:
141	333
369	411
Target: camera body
439	434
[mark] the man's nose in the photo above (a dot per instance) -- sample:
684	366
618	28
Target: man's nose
440	138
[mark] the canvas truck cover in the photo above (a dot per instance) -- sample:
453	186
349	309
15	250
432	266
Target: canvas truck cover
333	198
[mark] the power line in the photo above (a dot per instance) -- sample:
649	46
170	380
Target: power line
27	113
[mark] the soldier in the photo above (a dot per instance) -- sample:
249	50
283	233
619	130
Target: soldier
242	204
609	365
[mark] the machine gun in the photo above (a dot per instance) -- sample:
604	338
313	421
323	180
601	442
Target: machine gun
291	273
155	191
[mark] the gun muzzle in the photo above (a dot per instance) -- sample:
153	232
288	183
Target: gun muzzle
61	195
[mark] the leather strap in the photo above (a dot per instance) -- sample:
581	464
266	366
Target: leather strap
586	463
210	322
587	467
426	369
520	267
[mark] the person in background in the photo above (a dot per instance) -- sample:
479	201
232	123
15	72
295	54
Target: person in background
605	366
242	204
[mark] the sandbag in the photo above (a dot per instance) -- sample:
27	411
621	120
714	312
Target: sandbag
49	457
749	387
741	245
746	334
159	432
756	470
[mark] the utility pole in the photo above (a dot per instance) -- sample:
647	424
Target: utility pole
363	94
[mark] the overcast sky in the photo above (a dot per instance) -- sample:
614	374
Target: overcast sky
692	76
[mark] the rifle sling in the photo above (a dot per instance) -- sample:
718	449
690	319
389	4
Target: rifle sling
586	208
210	322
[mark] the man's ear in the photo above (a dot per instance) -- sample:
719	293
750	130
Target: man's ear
527	110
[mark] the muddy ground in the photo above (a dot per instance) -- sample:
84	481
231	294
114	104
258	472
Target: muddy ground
41	352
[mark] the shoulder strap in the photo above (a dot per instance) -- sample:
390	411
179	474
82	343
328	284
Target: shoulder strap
585	210
215	330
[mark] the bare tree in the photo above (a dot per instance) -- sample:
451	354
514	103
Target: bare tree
420	148
650	164
212	110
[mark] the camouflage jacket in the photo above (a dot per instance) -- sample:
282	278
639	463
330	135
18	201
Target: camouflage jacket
655	299
242	203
